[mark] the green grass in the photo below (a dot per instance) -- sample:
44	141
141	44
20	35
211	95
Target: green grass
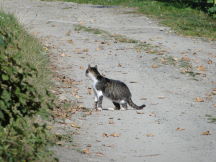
22	138
116	37
180	17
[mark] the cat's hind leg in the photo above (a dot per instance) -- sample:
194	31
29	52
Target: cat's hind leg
117	106
124	105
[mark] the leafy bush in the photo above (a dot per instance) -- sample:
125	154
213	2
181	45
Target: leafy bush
18	95
23	140
24	80
212	11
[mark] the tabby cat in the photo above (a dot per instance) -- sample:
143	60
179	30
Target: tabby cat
115	90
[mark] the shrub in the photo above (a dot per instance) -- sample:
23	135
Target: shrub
23	140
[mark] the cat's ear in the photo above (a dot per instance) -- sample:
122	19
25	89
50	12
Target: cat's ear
95	66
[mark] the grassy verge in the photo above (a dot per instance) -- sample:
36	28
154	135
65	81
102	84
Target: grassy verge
24	84
180	17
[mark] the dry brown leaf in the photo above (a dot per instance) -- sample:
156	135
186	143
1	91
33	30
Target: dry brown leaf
114	135
201	68
86	151
214	91
154	66
99	154
143	98
98	49
133	82
60	142
214	105
63	54
105	135
85	50
111	122
185	58
206	133
70	41
119	65
89	145
161	97
180	129
78	51
210	61
81	67
139	112
150	135
74	125
199	99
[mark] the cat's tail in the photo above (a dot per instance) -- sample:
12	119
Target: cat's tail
130	102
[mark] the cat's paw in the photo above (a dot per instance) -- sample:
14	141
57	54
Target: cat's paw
122	109
110	108
99	109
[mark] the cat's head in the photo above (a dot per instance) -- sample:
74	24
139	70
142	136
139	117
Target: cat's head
92	72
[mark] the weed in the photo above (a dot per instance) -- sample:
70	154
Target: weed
116	37
211	119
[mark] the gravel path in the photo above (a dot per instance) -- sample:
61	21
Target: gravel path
158	69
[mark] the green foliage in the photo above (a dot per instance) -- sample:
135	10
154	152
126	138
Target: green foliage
23	140
212	11
18	95
24	84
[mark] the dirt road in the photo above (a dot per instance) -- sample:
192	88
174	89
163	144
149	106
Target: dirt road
173	75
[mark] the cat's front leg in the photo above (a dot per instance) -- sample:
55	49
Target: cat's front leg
95	102
100	100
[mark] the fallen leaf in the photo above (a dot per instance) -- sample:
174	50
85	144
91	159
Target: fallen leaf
150	135
143	98
74	125
114	135
201	68
210	61
161	97
85	50
99	154
139	112
78	51
98	49
154	66
214	105
63	54
81	67
214	91
133	82
105	135
206	133
119	65
86	151
199	99
70	41
89	145
60	142
108	145
180	129
185	59
111	122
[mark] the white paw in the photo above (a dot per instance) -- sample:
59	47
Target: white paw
110	108
122	109
99	109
